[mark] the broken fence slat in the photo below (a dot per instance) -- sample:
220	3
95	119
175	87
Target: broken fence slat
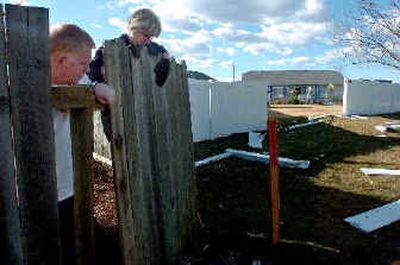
376	218
358	117
380	171
256	139
319	117
300	125
282	161
388	128
212	159
102	159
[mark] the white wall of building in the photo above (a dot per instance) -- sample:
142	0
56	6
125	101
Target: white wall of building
370	98
231	107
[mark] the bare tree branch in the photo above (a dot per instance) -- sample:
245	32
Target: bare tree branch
373	33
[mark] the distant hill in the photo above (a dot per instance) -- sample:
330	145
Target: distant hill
199	76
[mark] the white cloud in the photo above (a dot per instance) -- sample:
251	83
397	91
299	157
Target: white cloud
115	21
20	2
202	28
299	33
313	10
265	49
278	38
125	2
186	26
226	64
116	4
224	31
197	45
328	57
250	11
332	55
314	6
199	63
301	60
97	26
304	60
228	51
277	62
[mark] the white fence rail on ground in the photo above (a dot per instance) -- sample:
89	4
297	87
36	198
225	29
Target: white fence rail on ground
370	98
222	108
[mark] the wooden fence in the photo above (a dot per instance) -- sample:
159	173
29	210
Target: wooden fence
153	156
152	151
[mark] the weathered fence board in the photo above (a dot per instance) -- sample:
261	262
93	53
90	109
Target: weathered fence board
82	152
187	192
29	68
152	143
119	78
10	243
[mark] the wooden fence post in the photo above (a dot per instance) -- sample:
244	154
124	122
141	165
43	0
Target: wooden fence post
152	150
81	102
29	68
10	242
82	152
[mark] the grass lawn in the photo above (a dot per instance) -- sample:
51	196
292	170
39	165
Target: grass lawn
233	196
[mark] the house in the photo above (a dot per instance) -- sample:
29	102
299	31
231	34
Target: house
307	86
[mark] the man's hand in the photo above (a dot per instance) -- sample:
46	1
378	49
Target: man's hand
104	93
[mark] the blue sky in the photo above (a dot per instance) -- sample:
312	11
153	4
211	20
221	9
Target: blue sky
211	35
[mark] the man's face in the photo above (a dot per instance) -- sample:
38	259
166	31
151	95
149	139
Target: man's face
68	68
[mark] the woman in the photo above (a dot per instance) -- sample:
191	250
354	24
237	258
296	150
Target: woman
142	26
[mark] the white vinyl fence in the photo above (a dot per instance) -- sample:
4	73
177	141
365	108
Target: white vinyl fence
370	97
217	109
222	108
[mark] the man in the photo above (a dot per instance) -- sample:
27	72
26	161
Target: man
70	55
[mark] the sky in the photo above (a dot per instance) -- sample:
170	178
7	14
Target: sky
213	35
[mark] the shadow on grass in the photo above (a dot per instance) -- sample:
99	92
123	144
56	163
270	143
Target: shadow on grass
321	143
233	201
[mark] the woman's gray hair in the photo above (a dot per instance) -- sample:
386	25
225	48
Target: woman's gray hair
146	21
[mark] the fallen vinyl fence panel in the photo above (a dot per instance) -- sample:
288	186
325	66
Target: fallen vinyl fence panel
257	157
282	161
211	159
376	218
380	171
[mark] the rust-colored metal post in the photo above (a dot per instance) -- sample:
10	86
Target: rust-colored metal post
274	174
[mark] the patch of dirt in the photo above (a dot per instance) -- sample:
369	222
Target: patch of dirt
104	197
279	110
107	249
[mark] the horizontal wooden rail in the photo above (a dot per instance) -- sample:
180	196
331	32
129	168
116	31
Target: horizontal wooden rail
72	97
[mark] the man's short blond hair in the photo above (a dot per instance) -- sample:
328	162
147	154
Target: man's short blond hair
144	20
69	38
